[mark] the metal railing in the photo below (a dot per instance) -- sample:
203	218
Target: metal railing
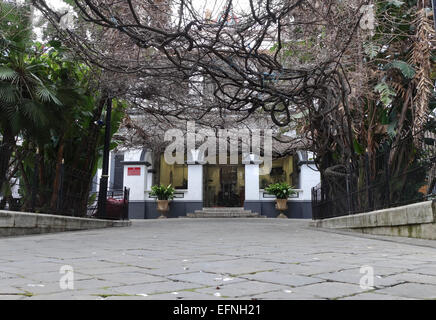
74	194
117	204
396	175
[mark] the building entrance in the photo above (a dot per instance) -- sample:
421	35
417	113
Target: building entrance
224	186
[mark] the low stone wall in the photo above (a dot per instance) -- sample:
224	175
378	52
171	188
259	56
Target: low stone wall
415	221
22	223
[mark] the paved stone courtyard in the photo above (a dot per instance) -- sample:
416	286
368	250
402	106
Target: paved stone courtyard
215	259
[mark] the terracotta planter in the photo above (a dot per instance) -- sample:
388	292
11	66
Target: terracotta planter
163	208
281	204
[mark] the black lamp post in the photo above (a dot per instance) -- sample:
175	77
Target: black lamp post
102	194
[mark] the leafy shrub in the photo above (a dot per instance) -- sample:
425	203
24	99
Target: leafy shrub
281	190
162	192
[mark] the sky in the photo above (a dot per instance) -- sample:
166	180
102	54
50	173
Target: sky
215	6
201	6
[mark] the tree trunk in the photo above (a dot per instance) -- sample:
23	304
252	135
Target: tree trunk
41	196
57	179
6	149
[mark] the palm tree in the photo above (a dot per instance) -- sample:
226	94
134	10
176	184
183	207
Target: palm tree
24	94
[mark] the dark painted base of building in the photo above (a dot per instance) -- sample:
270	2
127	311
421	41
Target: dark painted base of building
136	209
147	209
296	209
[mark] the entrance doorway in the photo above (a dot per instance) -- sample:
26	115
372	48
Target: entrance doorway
224	185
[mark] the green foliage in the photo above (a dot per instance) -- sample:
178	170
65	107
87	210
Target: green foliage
162	192
371	49
281	190
405	68
386	93
50	100
396	3
357	147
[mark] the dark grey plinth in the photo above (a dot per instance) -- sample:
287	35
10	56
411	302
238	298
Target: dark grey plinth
136	209
296	209
177	208
147	209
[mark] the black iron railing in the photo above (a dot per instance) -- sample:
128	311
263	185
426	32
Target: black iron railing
397	175
117	204
66	191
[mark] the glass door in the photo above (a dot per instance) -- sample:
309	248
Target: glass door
224	185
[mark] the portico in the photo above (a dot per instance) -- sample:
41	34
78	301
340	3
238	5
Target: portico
199	184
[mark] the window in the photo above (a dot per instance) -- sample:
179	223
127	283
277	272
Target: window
281	171
175	174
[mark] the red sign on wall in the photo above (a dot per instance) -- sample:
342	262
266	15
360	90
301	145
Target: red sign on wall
134	171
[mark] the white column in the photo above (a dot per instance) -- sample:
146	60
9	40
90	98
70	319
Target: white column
134	179
309	178
252	182
195	182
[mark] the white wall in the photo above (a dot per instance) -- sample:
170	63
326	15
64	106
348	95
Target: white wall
136	184
251	182
309	177
195	182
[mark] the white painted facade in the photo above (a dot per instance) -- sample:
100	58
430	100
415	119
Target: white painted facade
140	185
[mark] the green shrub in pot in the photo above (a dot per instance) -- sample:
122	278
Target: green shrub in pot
282	191
162	192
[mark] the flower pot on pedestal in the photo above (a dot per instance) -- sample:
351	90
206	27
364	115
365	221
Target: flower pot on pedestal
282	191
163	194
163	208
282	205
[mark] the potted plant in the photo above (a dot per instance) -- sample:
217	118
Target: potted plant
282	191
163	194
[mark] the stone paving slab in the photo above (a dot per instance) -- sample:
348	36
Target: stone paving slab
65	296
171	270
330	290
427	270
286	294
16	281
235	266
293	280
310	269
182	295
353	276
240	289
373	296
156	287
47	277
206	278
8	290
12	297
414	278
412	290
130	278
181	259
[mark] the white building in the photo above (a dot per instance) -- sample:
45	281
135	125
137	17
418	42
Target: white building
212	185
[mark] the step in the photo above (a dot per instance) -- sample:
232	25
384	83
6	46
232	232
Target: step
226	214
223	215
223	211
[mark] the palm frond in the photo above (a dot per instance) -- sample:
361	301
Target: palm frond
7	74
45	94
33	112
7	93
421	57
